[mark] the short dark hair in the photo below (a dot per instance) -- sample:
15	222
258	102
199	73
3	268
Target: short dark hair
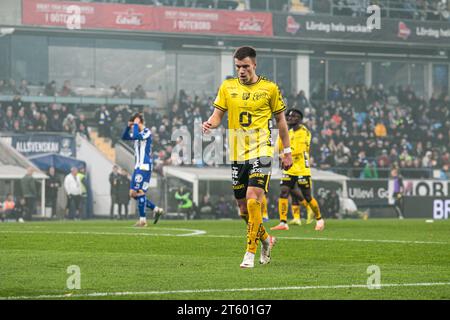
137	115
297	112
244	52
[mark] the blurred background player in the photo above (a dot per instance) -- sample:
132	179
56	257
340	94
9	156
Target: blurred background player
251	101
299	174
143	168
398	192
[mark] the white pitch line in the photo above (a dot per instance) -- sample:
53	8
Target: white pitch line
203	234
197	291
192	232
338	239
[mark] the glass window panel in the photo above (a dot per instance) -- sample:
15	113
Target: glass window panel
29	56
346	72
390	74
198	74
418	78
265	67
284	74
72	59
317	79
5	62
440	78
129	64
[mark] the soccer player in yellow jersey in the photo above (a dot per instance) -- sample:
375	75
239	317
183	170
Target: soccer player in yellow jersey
299	173
251	101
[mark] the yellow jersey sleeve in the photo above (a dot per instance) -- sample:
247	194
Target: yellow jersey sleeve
221	99
276	103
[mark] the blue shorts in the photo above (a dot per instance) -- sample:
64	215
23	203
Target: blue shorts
140	180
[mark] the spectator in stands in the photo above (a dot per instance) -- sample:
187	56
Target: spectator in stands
370	170
104	122
82	126
139	93
66	89
69	124
114	179
29	192
72	186
50	89
116	129
24	123
52	185
118	92
23	88
301	102
123	197
55	124
8	123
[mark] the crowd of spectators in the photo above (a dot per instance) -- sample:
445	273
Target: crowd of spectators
370	128
355	127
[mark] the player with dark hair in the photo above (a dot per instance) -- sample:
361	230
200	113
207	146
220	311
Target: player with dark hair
140	180
299	174
251	101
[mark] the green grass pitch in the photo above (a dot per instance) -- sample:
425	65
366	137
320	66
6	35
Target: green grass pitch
190	260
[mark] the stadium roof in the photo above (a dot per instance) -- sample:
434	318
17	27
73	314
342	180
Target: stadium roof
13	165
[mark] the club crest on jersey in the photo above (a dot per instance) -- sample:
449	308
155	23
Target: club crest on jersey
259	95
138	178
246	96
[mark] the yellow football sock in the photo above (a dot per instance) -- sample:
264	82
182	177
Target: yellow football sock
315	207
283	208
264	207
254	224
296	211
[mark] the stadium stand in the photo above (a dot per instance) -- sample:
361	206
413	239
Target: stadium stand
356	129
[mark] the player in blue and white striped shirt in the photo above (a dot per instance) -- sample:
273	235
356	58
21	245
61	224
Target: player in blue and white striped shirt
142	137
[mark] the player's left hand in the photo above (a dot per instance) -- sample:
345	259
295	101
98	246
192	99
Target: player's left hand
286	161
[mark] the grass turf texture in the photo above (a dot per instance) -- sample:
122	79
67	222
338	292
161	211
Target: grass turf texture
114	257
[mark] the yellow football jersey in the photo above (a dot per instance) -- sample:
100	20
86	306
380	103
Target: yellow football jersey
300	142
250	109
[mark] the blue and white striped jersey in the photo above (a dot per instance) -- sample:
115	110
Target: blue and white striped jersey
142	146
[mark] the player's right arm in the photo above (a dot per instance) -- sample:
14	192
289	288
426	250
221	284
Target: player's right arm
220	105
126	133
213	121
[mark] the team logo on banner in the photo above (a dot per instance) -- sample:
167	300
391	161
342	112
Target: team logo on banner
403	31
292	26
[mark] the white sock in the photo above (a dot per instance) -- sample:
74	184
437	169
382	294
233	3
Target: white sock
142	219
